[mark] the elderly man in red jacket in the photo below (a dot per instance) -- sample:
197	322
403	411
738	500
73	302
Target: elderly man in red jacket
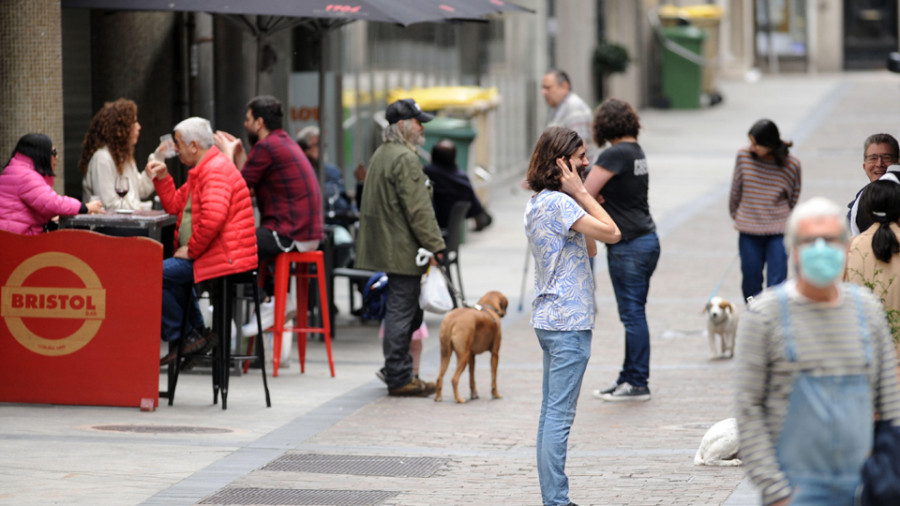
216	234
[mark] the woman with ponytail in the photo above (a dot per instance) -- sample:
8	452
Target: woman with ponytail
764	190
873	259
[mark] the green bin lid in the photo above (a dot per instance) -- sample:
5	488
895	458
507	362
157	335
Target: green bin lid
454	128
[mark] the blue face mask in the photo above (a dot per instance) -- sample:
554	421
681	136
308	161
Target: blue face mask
822	263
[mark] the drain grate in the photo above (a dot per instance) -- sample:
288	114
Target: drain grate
161	429
363	465
286	496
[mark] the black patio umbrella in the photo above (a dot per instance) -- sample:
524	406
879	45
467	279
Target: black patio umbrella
318	15
401	12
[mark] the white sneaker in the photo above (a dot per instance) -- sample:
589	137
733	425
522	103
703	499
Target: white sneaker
608	390
626	392
267	315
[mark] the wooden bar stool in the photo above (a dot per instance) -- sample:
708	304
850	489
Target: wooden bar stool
302	273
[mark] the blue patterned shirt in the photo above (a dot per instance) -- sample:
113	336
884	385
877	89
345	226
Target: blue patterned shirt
564	286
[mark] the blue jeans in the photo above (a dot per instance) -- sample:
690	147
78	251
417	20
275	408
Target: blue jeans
758	251
566	355
631	263
178	289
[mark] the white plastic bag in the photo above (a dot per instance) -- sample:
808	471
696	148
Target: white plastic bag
435	297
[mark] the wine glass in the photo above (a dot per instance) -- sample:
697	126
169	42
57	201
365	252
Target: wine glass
122	188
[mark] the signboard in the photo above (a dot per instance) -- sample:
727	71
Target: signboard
79	318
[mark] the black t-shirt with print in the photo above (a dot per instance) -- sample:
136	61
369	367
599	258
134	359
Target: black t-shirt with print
625	194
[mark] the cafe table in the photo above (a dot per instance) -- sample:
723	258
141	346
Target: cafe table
155	224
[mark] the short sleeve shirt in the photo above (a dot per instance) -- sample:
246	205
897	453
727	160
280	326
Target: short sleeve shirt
625	194
564	286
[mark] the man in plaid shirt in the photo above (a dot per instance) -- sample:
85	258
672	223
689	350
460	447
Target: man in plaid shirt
282	179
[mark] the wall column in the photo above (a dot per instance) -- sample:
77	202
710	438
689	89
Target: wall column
31	97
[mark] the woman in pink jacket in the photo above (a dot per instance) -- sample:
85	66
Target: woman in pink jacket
27	199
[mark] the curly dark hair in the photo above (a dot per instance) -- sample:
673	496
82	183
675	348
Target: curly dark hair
111	127
555	142
614	119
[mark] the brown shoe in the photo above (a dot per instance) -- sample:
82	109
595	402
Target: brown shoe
429	386
415	388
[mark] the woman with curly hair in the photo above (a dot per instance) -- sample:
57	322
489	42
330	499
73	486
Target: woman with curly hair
108	152
562	223
619	180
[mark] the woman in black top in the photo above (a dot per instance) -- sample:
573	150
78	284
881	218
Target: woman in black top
619	180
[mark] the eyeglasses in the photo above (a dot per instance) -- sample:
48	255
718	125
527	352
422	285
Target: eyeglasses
830	239
54	152
886	158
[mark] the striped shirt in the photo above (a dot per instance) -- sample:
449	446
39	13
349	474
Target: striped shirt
763	193
828	341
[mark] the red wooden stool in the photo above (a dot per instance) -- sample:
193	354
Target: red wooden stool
302	273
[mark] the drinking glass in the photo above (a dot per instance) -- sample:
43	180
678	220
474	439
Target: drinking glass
122	188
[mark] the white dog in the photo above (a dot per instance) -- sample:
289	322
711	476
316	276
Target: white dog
720	445
721	324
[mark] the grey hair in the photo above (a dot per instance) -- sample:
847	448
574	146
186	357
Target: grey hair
306	133
196	129
816	207
401	133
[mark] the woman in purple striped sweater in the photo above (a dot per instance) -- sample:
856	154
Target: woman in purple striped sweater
764	190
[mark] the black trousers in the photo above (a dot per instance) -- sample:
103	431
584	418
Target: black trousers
402	317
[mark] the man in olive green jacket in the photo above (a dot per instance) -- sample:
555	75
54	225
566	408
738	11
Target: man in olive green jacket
395	220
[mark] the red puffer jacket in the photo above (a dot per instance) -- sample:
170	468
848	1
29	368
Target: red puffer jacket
223	233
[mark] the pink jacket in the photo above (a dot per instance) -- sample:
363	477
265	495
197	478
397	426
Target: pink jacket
27	199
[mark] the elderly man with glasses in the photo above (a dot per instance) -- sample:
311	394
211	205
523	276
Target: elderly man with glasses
879	162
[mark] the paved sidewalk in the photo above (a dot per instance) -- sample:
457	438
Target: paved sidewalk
343	441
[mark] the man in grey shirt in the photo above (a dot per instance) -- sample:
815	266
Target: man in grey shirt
568	109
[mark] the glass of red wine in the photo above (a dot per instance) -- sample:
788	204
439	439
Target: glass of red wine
122	189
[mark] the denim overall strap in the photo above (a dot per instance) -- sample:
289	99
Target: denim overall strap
861	315
823	439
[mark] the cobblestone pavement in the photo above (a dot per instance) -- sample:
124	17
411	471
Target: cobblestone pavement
482	451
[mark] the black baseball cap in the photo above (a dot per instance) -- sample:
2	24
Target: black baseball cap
405	109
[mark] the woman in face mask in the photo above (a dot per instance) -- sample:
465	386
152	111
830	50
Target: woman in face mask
873	259
764	189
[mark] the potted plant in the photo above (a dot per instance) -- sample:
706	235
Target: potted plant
609	58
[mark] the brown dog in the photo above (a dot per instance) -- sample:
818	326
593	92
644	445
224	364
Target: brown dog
469	331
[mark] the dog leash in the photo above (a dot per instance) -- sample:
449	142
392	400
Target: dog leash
721	280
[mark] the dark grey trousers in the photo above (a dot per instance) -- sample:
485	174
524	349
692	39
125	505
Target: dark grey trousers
402	316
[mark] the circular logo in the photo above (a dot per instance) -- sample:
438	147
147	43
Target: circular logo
87	304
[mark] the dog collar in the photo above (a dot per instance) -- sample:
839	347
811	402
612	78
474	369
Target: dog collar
485	307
